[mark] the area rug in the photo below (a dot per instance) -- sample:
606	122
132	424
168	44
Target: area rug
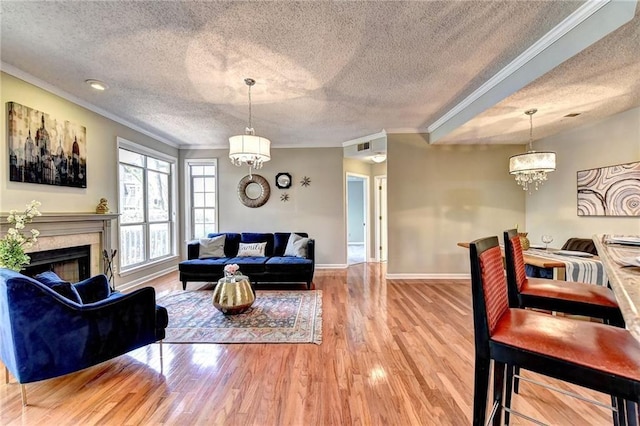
275	317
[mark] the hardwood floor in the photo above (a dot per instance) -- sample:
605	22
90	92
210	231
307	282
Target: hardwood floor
393	353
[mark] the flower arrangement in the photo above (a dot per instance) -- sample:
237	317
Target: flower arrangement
231	269
12	245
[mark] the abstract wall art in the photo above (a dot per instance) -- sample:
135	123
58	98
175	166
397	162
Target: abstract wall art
45	149
610	191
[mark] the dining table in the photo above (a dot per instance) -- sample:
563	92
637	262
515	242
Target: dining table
565	267
622	263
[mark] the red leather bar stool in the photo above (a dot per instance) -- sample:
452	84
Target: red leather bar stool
560	296
592	355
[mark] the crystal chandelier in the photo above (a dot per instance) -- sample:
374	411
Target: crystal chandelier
531	168
249	149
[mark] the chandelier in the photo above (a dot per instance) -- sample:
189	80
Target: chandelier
249	149
531	168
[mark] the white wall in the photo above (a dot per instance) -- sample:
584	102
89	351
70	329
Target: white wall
553	209
317	209
440	195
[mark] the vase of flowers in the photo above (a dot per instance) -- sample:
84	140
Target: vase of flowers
13	244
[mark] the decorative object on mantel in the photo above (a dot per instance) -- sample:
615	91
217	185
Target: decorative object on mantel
253	191
284	197
108	266
249	149
306	181
283	180
102	206
610	191
53	151
531	168
12	245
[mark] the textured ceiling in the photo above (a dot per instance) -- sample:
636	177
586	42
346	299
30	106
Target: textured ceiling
327	72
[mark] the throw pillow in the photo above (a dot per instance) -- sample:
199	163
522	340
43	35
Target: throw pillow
60	286
48	278
212	247
296	246
252	249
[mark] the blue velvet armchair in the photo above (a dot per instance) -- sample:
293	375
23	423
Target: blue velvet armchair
49	327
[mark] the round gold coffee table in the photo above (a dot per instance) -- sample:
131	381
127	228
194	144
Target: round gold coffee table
233	294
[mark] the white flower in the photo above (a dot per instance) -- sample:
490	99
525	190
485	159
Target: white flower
19	225
35	233
231	268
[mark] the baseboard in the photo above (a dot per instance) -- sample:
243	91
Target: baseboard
428	276
133	285
331	266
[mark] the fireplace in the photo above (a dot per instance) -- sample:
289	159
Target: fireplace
72	264
62	235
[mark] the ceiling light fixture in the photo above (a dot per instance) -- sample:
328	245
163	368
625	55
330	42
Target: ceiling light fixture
531	168
97	85
249	149
379	157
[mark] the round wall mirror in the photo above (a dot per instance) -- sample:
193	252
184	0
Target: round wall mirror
253	191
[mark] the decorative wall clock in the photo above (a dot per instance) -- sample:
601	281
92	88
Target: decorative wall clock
283	180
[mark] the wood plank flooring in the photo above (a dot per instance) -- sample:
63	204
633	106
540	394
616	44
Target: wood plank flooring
393	353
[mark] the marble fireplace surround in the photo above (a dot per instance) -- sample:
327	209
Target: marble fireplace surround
62	230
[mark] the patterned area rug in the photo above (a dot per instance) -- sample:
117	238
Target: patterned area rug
275	317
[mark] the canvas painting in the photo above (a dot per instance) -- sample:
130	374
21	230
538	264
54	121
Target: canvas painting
45	149
610	191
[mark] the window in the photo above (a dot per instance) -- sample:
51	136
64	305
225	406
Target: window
202	185
146	206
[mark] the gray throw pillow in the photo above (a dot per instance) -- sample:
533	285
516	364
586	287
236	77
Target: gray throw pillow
212	247
296	246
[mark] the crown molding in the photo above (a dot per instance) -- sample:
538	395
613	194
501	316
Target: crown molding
589	23
25	76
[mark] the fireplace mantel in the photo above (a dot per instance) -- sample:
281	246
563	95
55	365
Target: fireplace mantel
84	228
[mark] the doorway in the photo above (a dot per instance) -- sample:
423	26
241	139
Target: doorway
357	218
381	218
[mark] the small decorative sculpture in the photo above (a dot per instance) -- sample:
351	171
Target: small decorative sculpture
102	207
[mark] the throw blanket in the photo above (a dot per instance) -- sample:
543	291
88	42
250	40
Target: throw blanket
577	269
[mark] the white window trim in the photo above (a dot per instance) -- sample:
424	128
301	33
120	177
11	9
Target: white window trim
188	162
173	161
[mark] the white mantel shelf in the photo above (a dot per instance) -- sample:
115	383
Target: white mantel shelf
66	217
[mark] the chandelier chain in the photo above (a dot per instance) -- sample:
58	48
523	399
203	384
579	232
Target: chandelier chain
250	126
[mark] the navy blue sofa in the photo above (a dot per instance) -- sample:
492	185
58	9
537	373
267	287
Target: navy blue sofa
272	267
49	327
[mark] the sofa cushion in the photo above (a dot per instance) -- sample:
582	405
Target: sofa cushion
250	264
259	237
251	249
296	246
60	286
231	242
280	240
288	264
212	247
215	265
